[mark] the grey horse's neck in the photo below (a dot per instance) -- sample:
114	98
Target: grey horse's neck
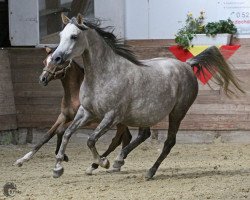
98	57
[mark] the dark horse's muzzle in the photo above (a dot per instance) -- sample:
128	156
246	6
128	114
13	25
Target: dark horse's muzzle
43	79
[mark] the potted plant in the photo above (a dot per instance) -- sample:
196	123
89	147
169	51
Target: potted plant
195	32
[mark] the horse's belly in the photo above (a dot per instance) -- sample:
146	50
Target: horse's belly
142	121
147	118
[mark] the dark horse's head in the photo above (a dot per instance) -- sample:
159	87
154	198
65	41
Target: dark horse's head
50	70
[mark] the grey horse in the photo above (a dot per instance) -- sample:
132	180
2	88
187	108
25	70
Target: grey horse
115	85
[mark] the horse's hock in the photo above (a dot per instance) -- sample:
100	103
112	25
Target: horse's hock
28	108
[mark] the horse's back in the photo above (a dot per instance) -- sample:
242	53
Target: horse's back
176	72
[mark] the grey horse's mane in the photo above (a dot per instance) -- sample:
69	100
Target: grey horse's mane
116	44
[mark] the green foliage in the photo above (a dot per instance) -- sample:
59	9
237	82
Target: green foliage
183	38
196	26
223	26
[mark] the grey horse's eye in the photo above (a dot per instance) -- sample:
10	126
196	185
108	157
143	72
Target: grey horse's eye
73	37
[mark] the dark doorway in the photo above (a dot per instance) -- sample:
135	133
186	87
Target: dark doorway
4	24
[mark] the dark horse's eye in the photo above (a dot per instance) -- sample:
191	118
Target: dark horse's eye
73	37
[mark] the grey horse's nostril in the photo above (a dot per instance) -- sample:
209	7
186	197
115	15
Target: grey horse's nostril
44	79
58	59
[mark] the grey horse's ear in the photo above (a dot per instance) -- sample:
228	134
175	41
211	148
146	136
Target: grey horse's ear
80	19
48	50
65	19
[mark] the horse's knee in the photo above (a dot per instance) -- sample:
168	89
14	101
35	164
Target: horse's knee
128	134
147	132
59	156
171	141
91	142
126	138
144	133
66	135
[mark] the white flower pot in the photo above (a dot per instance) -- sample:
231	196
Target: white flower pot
219	39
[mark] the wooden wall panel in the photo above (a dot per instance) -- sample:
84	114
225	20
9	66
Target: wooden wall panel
7	104
36	105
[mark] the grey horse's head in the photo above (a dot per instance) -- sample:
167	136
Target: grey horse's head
73	40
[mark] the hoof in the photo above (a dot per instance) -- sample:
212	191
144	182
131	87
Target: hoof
148	178
149	175
89	170
118	163
66	158
114	170
57	172
18	163
94	165
105	163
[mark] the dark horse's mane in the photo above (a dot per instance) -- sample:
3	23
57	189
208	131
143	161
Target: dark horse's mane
117	45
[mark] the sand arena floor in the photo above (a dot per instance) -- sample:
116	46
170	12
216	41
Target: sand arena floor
192	171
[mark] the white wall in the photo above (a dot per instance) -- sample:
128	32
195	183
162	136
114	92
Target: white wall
41	4
113	14
23	22
161	19
166	17
136	19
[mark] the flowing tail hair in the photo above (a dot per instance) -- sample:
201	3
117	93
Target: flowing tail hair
212	60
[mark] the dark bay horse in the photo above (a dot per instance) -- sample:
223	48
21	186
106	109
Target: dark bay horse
115	84
71	76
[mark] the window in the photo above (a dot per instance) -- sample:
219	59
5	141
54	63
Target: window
36	22
50	16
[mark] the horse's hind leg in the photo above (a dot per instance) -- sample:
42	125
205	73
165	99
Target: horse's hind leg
123	136
143	134
175	118
168	144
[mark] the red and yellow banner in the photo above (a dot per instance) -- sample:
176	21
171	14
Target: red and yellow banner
181	54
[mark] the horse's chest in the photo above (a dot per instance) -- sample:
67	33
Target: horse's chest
101	107
69	110
98	106
69	113
99	100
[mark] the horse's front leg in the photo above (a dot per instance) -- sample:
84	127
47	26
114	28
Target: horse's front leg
108	122
82	118
60	131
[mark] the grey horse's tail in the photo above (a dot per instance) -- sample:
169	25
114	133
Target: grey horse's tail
212	60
